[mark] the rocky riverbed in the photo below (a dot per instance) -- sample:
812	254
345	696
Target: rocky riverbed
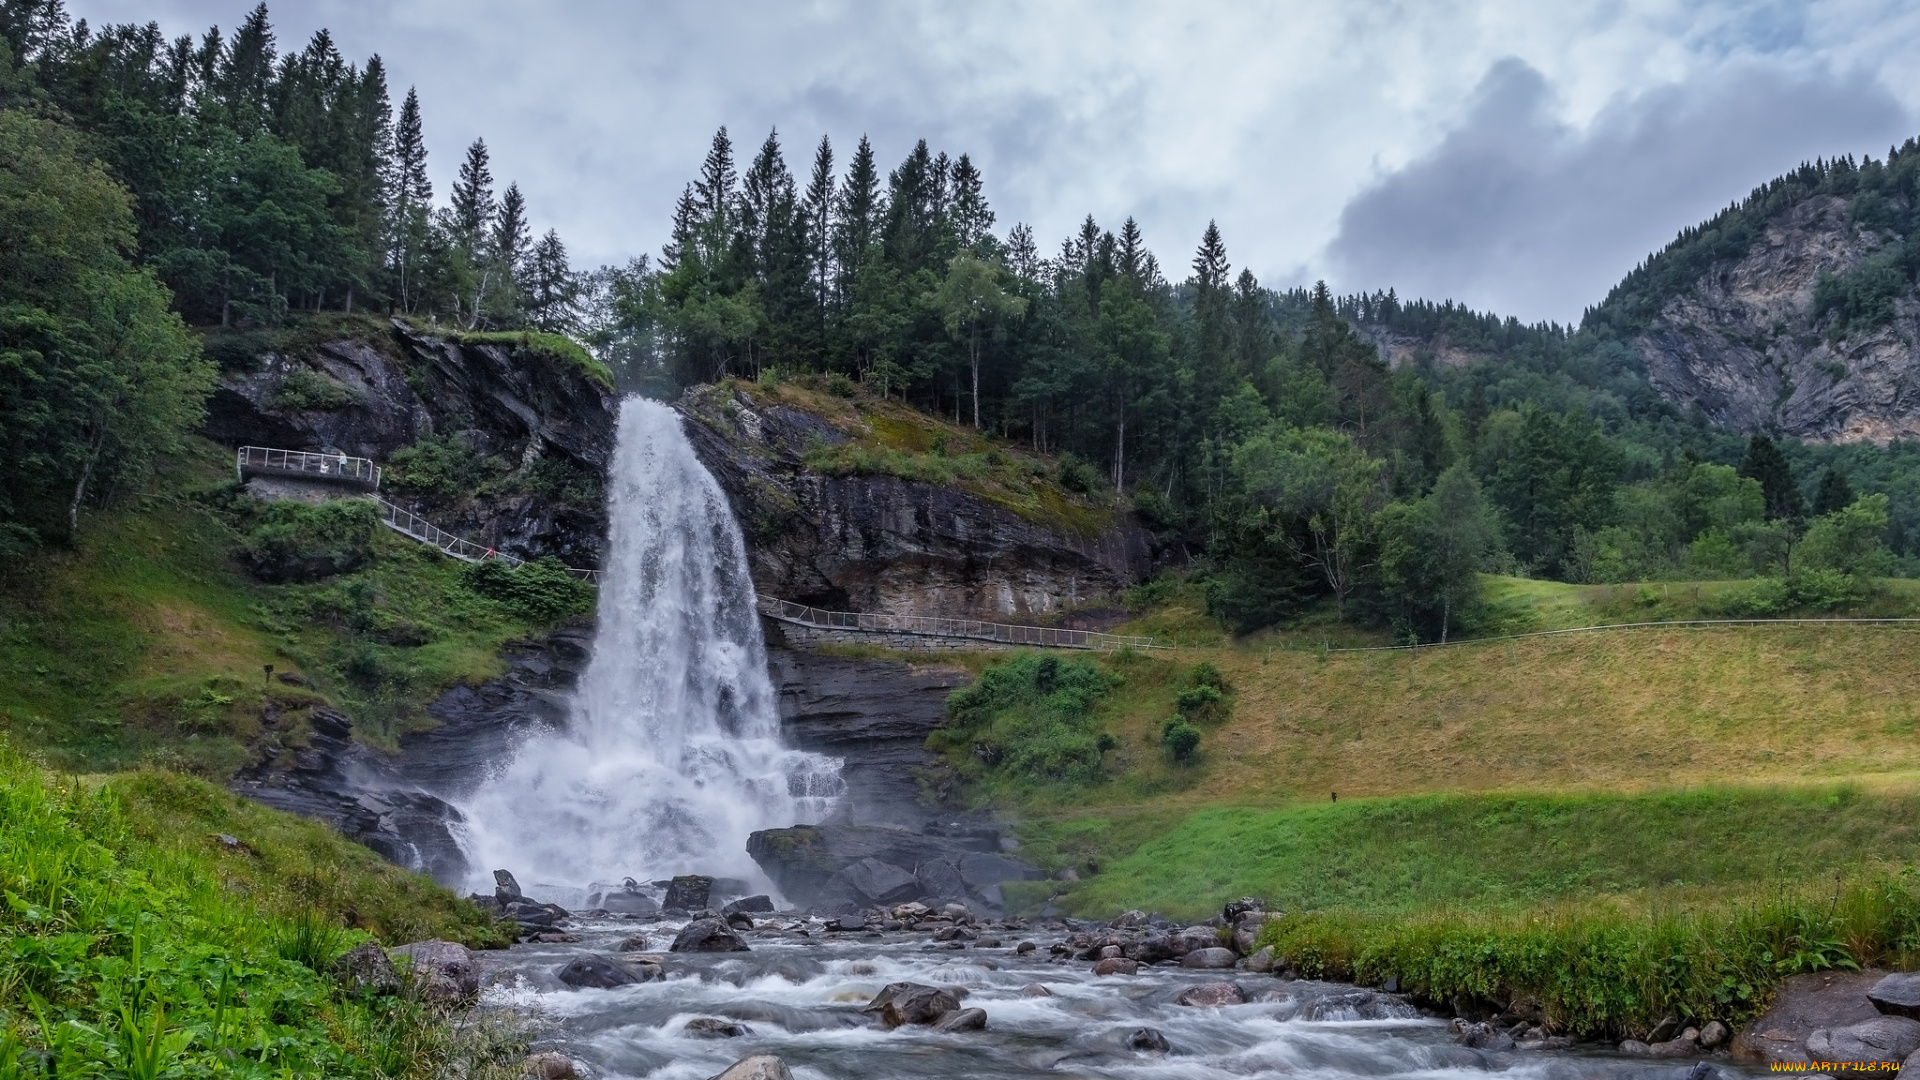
913	991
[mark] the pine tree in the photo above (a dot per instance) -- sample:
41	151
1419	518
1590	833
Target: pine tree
472	198
819	205
409	197
553	291
1131	256
1834	493
857	214
1764	462
1023	255
714	192
502	296
1214	374
682	237
765	185
972	218
245	82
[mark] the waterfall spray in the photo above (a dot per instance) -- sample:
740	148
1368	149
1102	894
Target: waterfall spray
672	754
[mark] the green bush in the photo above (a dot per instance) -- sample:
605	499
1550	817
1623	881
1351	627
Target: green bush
1203	695
306	390
1818	591
1079	477
540	591
561	480
1028	718
1182	739
294	541
441	467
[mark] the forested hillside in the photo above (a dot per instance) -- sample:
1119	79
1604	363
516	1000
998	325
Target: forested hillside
1364	453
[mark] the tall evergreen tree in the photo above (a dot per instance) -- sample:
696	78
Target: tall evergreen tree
1765	463
819	206
409	198
553	291
1834	493
857	212
472	199
972	217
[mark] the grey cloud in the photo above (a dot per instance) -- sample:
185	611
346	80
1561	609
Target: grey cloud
1519	213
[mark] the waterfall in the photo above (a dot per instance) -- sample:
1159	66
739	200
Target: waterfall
672	754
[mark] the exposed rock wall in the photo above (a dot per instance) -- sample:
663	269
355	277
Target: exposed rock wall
880	543
512	402
1742	344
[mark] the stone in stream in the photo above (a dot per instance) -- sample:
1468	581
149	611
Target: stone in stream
688	892
760	903
1485	1036
632	943
1035	990
871	881
505	889
1714	1035
740	920
1211	995
708	1027
940	878
627	902
1261	962
1897	994
1147	1041
1211	959
596	972
1888	1038
757	1067
1685	1044
1117	965
912	1003
550	1065
963	1020
1151	949
707	935
1246	905
442	970
367	969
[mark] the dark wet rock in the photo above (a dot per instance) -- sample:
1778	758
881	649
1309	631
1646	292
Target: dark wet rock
1483	1036
441	970
550	1065
963	1020
708	1027
367	969
1358	1005
880	543
1884	1038
505	889
938	877
743	922
760	903
707	935
817	864
593	971
1714	1035
1262	962
1802	1005
1897	994
553	937
1117	965
688	892
1024	948
912	1003
1685	1044
1635	1048
1035	990
1152	949
632	943
1147	1041
757	1067
1246	905
871	881
1130	920
1211	995
1214	958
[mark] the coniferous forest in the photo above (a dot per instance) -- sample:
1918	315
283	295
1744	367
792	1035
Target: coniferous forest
162	189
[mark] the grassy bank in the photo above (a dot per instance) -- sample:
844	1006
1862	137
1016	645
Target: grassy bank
139	941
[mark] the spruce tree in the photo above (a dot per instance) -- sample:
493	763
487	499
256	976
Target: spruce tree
714	192
506	257
1764	462
472	198
409	197
857	211
1834	493
819	205
553	291
971	216
245	82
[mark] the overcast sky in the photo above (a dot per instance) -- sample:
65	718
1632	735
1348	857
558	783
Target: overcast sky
1518	156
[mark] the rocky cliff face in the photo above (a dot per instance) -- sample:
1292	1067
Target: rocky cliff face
881	543
1743	345
379	394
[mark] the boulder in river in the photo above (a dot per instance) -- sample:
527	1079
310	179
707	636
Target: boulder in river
596	972
1261	962
688	892
1117	965
871	881
505	889
550	1065
757	904
443	970
912	1003
1886	1038
1147	1041
629	902
1035	990
632	943
757	1067
963	1020
1211	995
707	935
1214	958
709	1027
1897	994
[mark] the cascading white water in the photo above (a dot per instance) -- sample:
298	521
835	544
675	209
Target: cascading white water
673	752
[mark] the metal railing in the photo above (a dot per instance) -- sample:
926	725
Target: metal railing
335	467
932	626
412	525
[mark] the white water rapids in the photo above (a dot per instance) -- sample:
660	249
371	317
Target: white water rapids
673	753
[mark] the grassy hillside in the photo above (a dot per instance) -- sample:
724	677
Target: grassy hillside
159	926
889	438
148	642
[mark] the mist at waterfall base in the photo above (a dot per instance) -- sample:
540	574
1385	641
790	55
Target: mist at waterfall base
672	754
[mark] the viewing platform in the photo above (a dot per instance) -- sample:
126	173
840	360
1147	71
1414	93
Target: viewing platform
357	473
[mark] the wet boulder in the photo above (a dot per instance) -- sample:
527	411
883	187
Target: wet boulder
758	904
1486	1036
688	892
1897	994
595	972
870	881
940	878
550	1065
912	1003
505	889
1117	965
442	970
1235	909
1213	958
1152	949
963	1020
627	902
1147	1041
1888	1038
1211	995
707	935
709	1027
757	1067
632	943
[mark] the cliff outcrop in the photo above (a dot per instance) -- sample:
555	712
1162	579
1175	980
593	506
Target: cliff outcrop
1748	345
865	540
536	426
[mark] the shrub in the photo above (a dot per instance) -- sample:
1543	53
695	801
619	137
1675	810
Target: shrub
540	591
306	390
1204	695
1029	718
1818	590
1079	477
1181	738
561	480
295	541
441	467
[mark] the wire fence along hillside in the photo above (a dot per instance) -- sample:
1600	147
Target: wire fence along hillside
932	626
409	524
339	468
1673	624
